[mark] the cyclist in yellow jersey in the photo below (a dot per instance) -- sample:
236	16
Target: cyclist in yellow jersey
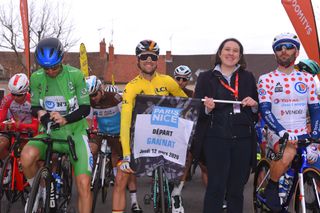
148	82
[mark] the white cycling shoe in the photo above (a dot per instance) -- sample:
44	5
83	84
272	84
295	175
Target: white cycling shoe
177	204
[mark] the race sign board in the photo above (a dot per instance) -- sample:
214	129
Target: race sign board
162	130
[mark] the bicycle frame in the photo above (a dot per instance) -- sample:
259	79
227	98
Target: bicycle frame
304	165
17	177
52	195
299	166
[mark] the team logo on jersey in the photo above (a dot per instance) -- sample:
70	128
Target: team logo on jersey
301	87
278	88
70	85
84	91
276	101
49	104
262	92
161	89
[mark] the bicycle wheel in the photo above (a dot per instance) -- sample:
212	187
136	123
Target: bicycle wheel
311	185
261	178
38	200
96	184
108	176
5	178
65	192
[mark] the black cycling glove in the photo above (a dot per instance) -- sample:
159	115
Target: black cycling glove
45	119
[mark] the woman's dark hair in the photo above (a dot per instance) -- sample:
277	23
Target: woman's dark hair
242	61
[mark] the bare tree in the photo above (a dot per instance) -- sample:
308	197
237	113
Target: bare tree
46	19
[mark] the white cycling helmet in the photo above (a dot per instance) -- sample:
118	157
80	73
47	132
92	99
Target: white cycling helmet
111	88
93	84
183	71
18	84
286	38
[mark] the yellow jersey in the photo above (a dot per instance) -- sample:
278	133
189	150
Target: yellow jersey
159	85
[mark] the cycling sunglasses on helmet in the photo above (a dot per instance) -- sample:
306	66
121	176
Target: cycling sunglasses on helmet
144	57
179	78
288	46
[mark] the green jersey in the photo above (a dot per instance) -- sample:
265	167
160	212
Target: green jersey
62	94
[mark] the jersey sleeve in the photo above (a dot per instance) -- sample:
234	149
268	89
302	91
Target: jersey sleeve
128	99
174	88
265	106
35	89
81	89
314	108
4	107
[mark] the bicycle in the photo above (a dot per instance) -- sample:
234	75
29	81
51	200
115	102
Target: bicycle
13	184
305	188
55	196
160	192
102	172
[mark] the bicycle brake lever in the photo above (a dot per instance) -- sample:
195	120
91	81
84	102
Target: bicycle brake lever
72	148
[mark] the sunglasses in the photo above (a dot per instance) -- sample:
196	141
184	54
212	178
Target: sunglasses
55	67
183	79
144	57
288	46
17	95
93	95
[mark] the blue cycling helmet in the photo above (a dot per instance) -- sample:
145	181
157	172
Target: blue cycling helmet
309	66
49	52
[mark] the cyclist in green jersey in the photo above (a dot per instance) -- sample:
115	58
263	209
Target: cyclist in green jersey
59	94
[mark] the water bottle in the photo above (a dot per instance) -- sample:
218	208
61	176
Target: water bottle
285	183
108	151
104	146
57	179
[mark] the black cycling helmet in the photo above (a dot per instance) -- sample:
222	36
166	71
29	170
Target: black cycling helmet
309	66
147	46
49	52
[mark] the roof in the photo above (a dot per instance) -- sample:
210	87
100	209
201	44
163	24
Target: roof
124	67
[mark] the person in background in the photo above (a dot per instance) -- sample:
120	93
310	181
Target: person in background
15	111
106	106
182	75
286	86
225	132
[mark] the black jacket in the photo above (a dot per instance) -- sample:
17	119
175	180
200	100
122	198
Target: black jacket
222	122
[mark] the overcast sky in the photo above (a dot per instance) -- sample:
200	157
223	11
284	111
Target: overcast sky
195	27
182	26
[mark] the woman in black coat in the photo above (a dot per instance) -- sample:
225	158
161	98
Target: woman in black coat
225	131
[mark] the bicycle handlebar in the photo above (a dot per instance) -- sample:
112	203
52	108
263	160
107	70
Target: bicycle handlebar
283	143
52	125
102	134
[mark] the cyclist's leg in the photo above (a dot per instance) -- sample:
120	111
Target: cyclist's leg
204	173
239	173
94	144
4	146
83	169
116	152
31	153
132	185
119	191
277	168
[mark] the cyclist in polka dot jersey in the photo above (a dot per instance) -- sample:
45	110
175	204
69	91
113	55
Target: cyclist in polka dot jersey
285	96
